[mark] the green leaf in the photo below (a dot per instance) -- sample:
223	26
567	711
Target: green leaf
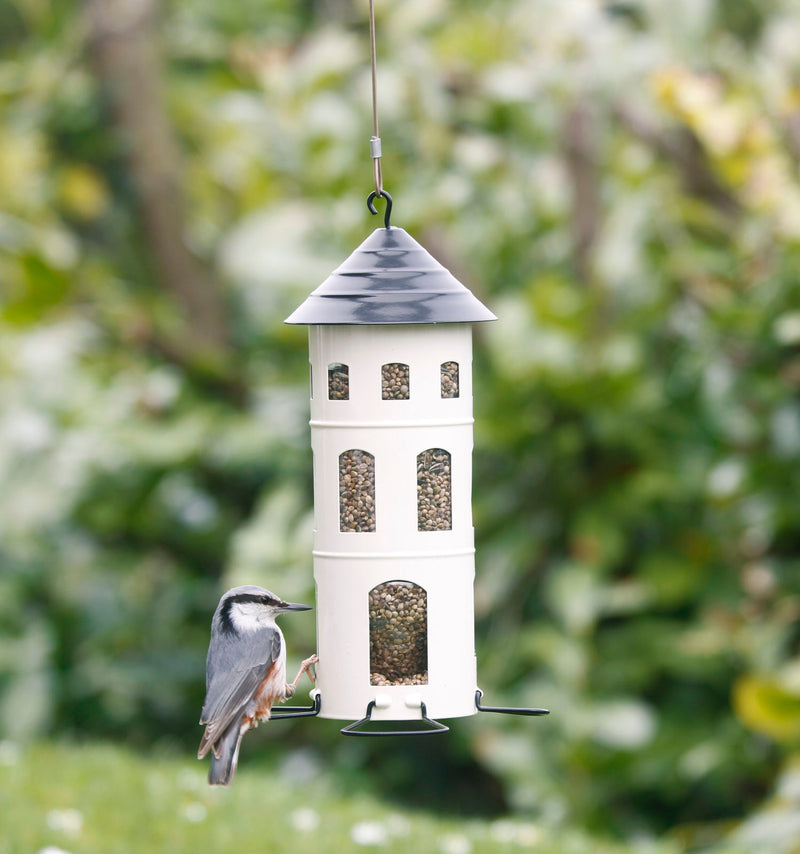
767	706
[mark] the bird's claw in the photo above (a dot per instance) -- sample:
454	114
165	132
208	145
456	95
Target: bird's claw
305	667
308	667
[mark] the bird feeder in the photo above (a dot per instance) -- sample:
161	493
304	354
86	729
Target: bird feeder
390	341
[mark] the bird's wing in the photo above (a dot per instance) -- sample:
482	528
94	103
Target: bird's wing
236	667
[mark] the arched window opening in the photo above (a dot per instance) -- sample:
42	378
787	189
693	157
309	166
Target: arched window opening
338	381
398	634
449	378
394	382
434	492
356	491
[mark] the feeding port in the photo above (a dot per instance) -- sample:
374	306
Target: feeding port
398	634
434	491
356	491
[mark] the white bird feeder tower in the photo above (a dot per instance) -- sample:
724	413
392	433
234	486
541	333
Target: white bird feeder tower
390	340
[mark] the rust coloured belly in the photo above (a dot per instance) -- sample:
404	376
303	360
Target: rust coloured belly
271	690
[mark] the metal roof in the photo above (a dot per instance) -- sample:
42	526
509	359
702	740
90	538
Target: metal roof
390	278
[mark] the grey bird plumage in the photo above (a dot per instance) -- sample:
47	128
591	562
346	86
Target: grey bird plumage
245	673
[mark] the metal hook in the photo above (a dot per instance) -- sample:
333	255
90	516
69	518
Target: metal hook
373	210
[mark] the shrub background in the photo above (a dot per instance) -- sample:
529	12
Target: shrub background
618	181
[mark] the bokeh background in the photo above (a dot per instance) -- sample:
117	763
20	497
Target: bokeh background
618	181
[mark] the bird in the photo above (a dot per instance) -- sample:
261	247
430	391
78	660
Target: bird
245	673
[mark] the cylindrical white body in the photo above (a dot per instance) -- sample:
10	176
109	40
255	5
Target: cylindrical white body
400	435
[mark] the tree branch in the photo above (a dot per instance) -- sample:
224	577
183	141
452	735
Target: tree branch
793	134
129	69
682	148
581	164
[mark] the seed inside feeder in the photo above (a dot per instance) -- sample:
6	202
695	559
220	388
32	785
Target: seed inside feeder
398	634
394	382
434	505
356	491
338	382
449	379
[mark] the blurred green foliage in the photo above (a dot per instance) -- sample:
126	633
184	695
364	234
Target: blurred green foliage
619	183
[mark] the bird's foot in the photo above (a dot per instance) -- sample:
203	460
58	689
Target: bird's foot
305	667
308	667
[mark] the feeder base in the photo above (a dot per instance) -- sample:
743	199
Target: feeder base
433	727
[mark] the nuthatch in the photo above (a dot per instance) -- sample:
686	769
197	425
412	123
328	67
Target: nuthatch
245	673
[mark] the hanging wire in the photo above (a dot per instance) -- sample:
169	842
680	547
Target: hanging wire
375	140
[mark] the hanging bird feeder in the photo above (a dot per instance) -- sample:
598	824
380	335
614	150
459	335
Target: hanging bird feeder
390	350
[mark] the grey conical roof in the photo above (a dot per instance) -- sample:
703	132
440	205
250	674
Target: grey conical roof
390	278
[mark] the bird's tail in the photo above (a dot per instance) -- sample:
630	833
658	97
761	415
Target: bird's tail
225	756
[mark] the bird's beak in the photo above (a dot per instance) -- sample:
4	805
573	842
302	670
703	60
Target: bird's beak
295	606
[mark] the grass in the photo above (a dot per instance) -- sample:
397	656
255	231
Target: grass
103	799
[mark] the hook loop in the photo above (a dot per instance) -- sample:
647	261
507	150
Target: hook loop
373	210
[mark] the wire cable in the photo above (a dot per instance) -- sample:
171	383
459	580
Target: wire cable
375	139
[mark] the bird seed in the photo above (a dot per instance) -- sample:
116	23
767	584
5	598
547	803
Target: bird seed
449	378
338	382
434	493
356	491
394	382
398	634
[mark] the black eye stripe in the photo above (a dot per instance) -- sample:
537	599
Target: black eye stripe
253	597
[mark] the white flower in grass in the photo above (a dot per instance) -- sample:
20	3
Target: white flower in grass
192	781
502	830
9	753
526	835
398	825
69	821
52	849
369	833
455	843
194	812
304	819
